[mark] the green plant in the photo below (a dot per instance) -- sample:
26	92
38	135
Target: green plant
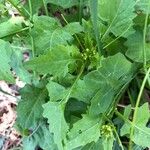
87	78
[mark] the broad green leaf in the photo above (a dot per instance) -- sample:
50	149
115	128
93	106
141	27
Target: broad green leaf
54	112
5	60
135	47
64	3
119	15
83	132
42	137
103	84
48	33
12	26
54	62
140	129
29	109
107	82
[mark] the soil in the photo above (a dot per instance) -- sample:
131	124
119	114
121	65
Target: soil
9	137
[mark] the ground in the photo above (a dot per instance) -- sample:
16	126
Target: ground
9	137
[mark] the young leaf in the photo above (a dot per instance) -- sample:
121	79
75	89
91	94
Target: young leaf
5	59
54	62
135	47
83	132
54	112
119	15
30	109
140	129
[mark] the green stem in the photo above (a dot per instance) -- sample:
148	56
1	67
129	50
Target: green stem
31	10
45	7
118	138
136	108
130	98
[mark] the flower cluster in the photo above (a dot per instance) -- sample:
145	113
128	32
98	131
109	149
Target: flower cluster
106	131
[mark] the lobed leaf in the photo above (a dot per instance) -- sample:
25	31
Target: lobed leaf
48	33
29	109
103	84
54	62
119	15
54	112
